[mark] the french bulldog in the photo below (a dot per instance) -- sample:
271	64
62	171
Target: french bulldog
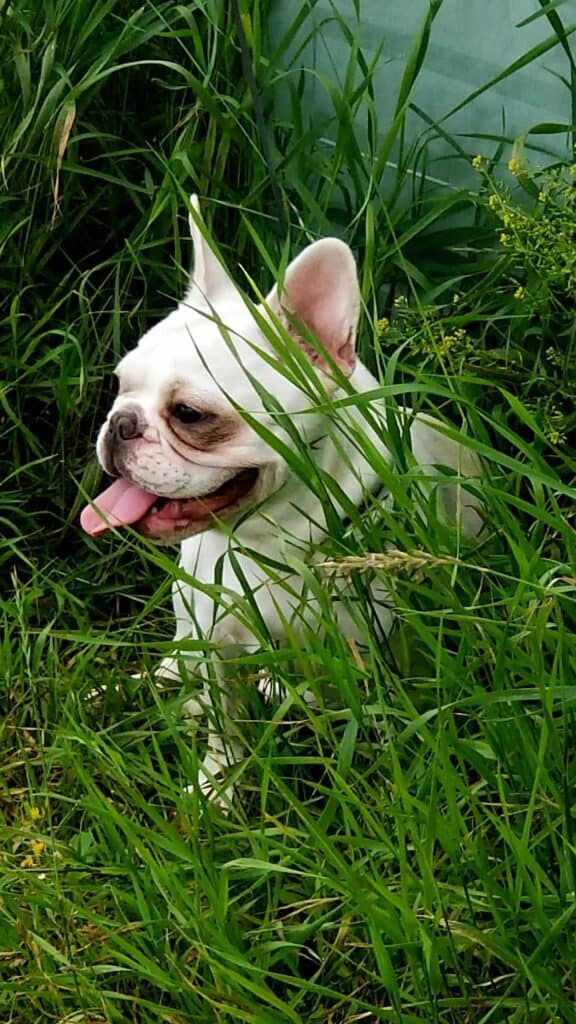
230	417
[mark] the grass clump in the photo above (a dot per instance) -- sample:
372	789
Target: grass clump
405	853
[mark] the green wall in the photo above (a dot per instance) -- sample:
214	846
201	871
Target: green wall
471	42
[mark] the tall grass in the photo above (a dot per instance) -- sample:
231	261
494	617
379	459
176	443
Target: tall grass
406	852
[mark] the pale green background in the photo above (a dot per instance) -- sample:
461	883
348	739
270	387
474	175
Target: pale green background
472	41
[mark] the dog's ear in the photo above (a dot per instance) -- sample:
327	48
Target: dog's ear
320	290
209	279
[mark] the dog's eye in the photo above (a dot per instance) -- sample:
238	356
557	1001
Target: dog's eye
186	414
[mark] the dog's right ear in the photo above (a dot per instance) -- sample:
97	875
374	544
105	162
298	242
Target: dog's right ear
209	279
320	291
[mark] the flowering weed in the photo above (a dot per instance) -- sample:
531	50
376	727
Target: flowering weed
514	326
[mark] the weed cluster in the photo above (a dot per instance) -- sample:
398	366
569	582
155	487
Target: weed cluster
513	326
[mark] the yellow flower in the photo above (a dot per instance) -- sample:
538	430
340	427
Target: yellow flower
493	202
554	435
504	238
520	292
554	355
28	862
542	197
38	847
446	344
514	166
34	813
477	162
383	324
455	299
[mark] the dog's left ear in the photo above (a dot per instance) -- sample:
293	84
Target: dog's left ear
320	290
209	279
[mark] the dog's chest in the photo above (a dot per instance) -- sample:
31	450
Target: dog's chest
227	586
233	597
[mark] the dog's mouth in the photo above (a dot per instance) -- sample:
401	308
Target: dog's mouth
124	504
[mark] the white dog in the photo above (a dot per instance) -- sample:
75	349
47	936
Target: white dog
216	406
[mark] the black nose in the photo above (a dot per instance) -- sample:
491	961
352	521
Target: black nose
125	425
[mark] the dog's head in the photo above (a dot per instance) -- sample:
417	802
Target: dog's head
178	436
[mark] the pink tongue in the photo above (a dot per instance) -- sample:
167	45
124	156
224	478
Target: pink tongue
119	505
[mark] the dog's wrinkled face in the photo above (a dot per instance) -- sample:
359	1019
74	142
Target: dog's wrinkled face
175	436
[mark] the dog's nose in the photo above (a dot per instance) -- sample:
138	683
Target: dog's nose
125	425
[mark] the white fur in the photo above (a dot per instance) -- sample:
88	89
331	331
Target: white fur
211	351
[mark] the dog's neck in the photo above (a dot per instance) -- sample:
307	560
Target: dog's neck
295	507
